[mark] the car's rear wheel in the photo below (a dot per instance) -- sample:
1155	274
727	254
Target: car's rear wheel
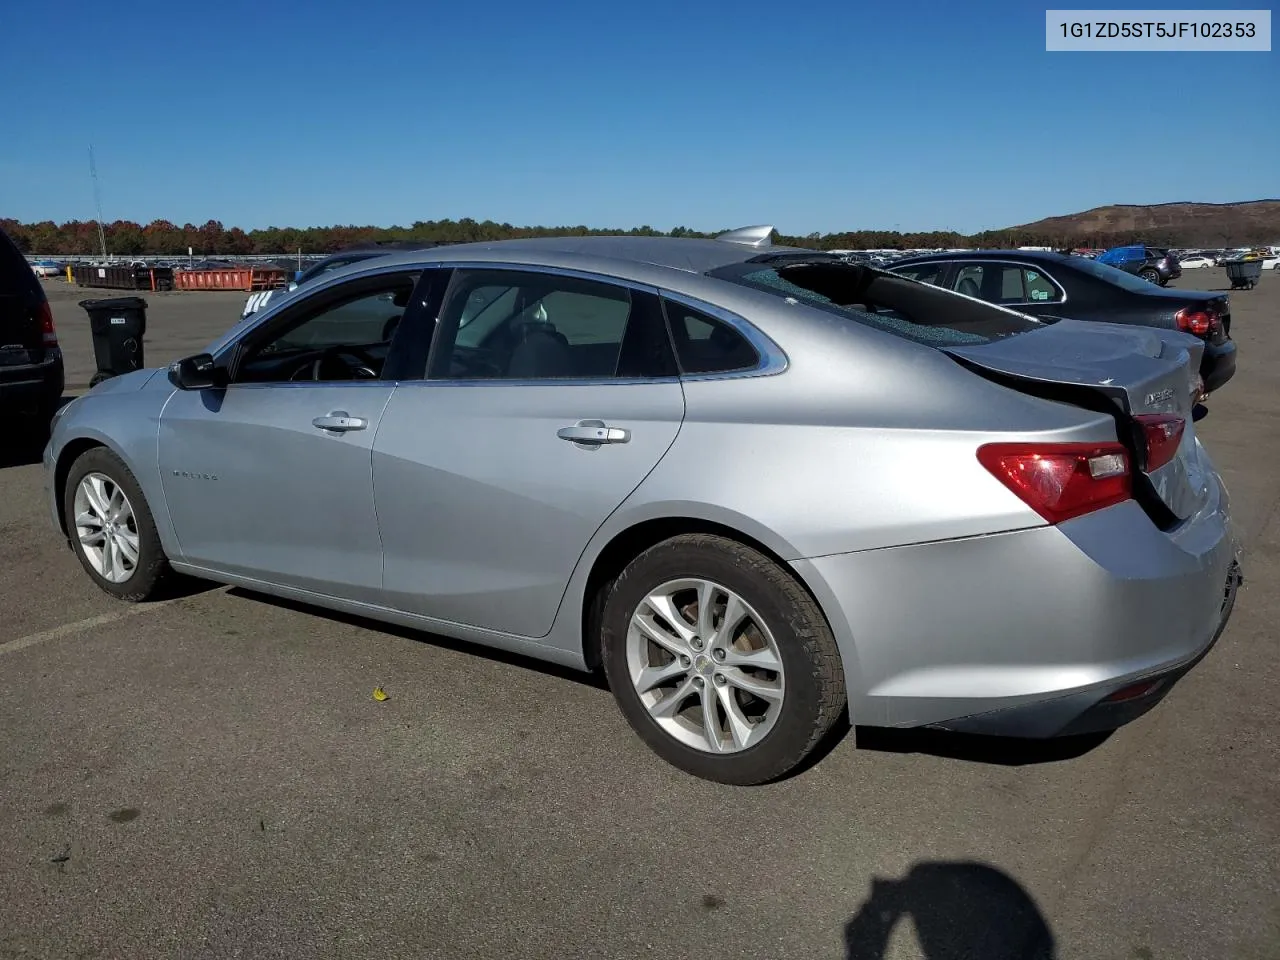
1151	276
720	660
111	528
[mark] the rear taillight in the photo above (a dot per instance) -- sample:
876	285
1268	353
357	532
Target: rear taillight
48	335
1162	434
1061	480
1134	691
1199	323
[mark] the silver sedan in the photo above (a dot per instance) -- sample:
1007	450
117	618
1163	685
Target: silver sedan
754	485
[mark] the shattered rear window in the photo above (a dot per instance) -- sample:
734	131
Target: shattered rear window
894	304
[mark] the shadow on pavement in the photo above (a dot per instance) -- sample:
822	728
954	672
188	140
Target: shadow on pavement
19	452
23	446
595	680
974	748
1000	751
960	911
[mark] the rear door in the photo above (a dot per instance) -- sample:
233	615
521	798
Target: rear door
549	398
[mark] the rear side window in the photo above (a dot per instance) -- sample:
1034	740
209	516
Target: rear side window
707	345
1011	285
1040	289
876	298
500	324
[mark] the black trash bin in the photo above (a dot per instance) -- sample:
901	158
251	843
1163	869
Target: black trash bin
1243	274
117	325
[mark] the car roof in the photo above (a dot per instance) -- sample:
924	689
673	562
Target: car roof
1031	256
685	254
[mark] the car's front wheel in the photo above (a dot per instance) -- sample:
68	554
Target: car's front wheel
1151	276
111	528
720	659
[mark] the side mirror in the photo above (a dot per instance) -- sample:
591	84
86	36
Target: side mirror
197	373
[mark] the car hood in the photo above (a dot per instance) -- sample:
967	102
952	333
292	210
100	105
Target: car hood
125	383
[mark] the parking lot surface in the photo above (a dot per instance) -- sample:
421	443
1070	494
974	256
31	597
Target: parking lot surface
211	777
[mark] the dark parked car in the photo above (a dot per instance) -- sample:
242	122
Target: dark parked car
1153	264
31	375
1052	286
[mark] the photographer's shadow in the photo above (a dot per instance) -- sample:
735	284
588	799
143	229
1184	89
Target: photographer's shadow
961	911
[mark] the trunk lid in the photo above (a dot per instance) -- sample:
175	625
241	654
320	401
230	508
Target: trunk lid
1135	370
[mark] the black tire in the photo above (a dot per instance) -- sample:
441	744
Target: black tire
1149	275
815	690
152	569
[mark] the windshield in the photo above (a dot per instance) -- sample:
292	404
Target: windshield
894	304
1110	274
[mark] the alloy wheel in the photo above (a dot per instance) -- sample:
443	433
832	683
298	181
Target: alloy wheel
706	666
106	528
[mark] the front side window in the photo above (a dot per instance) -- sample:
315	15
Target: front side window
516	325
344	337
968	280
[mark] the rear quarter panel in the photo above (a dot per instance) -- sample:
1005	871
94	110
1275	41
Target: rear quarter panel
864	442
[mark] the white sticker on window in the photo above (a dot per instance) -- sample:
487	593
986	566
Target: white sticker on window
1039	294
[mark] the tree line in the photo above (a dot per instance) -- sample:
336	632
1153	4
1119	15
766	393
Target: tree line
162	238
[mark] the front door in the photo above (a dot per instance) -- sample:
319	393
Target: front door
549	400
271	476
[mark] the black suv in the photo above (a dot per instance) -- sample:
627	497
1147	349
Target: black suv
31	376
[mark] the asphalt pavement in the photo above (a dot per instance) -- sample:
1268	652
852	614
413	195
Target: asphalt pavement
211	777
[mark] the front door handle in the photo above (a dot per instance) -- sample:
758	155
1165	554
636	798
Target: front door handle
339	421
593	432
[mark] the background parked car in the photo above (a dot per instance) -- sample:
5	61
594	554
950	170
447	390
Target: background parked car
46	268
1196	262
1153	264
1052	286
31	369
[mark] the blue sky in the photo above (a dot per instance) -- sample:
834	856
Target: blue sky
812	115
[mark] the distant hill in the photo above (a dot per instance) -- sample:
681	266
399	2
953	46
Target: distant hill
1173	224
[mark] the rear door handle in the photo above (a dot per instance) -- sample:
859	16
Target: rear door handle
339	421
593	432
